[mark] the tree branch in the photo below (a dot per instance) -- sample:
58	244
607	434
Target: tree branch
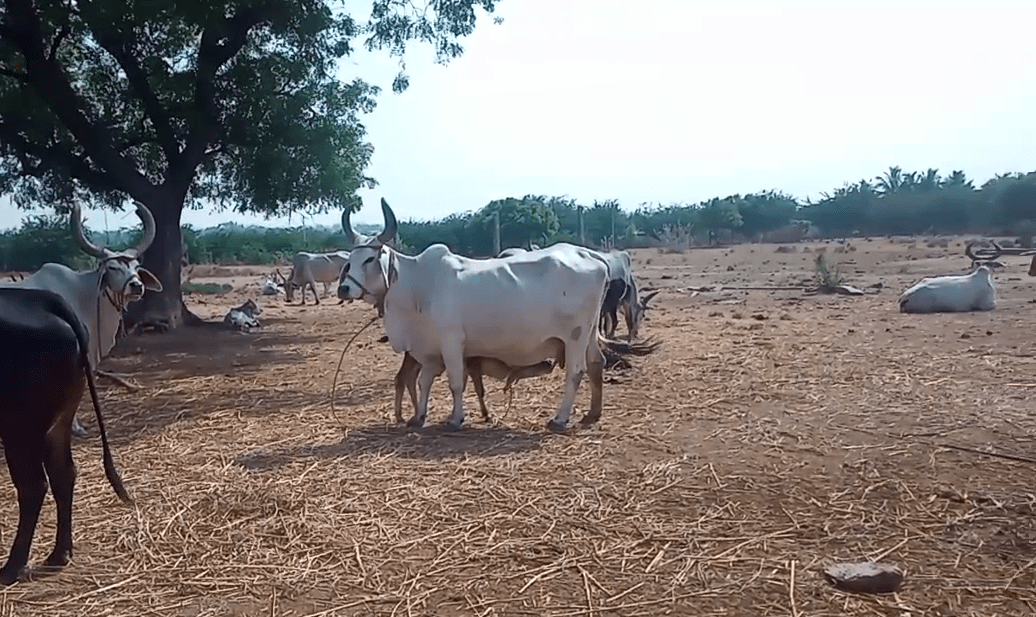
66	29
24	30
22	77
219	44
112	41
52	159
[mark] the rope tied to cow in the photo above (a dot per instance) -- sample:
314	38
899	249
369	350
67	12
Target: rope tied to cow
334	382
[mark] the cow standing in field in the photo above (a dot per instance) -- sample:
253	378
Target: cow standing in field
307	269
44	366
620	294
442	308
99	296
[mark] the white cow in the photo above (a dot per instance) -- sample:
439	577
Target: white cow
307	269
99	296
954	294
442	308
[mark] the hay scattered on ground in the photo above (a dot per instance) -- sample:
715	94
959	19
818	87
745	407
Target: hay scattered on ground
770	435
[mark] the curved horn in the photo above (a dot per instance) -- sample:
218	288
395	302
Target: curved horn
968	253
149	230
77	232
391	227
351	236
998	250
647	297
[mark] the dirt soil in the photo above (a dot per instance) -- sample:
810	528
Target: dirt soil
773	433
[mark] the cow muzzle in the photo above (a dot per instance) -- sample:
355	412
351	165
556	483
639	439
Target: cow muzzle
134	290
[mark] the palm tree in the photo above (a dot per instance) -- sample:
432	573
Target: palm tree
929	181
891	181
957	178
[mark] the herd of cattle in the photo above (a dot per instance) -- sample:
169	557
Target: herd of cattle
518	315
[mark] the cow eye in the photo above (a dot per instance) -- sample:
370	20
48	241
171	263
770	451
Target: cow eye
368	260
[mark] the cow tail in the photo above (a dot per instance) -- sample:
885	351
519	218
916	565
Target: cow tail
83	338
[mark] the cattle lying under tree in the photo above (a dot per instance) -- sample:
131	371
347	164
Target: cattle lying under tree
44	366
99	296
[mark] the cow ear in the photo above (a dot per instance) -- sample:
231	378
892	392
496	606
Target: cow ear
150	281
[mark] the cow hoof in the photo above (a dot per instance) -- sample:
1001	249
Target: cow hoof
453	427
9	575
415	422
58	559
556	427
589	420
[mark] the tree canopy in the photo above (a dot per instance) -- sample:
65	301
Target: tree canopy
174	103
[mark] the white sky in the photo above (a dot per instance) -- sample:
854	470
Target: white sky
683	100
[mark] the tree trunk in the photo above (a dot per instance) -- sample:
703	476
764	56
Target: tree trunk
163	310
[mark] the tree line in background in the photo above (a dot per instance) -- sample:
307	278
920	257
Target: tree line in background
895	203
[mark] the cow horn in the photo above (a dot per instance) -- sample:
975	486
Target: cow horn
647	297
968	253
149	230
77	232
391	226
998	250
351	236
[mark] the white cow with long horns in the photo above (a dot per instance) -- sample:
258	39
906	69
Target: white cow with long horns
442	308
99	296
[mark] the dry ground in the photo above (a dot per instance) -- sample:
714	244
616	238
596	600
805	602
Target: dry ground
773	433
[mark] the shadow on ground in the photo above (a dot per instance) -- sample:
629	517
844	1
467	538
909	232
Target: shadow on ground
432	443
204	351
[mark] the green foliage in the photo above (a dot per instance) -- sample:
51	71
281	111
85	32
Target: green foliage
827	277
41	239
230	101
896	203
170	103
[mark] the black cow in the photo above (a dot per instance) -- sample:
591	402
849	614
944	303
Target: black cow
44	368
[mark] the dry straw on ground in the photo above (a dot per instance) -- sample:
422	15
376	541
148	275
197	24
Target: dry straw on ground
770	435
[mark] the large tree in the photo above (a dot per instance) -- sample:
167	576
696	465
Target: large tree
182	103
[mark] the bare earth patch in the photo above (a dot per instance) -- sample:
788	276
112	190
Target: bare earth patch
772	435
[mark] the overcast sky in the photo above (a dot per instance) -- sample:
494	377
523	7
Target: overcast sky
683	100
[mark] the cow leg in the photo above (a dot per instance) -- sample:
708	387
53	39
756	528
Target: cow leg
77	428
25	464
475	370
406	378
428	374
595	369
313	286
61	470
453	358
575	361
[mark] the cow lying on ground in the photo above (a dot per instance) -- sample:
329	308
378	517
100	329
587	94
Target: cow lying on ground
243	317
99	296
952	294
44	354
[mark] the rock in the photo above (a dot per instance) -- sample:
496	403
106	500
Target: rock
864	577
848	290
